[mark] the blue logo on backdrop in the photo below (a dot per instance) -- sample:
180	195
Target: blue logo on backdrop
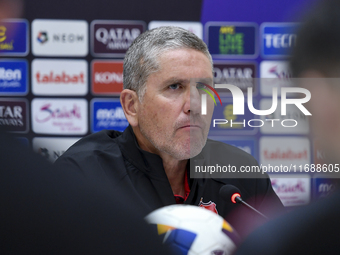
246	145
323	187
232	40
14	37
278	39
108	114
13	77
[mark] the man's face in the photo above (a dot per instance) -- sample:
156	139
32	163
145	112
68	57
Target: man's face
169	116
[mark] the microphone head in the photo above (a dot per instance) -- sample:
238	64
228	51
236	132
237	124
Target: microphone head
230	193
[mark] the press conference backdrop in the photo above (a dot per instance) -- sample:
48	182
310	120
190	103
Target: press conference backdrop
61	75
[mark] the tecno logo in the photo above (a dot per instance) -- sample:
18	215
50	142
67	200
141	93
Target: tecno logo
59	77
59	37
107	77
113	38
278	39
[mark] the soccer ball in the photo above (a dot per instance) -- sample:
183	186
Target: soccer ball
193	230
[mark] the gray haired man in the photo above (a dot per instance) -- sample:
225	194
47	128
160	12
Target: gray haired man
150	159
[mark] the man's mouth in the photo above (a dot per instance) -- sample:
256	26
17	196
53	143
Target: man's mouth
191	126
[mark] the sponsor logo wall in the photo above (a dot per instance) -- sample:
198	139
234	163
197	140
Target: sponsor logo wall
59	38
59	116
110	38
66	83
107	77
14	114
107	114
13	77
56	77
14	37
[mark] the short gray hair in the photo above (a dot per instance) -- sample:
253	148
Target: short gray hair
141	59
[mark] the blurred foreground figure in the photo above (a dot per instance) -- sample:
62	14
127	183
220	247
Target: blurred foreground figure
45	212
42	212
316	62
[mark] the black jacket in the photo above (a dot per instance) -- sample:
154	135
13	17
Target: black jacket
114	158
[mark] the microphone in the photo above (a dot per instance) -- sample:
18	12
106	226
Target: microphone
234	194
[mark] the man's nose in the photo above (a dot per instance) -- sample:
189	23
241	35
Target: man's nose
193	101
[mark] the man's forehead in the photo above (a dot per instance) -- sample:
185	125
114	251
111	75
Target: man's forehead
172	80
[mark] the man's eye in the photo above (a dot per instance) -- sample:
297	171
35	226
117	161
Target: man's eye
174	86
200	85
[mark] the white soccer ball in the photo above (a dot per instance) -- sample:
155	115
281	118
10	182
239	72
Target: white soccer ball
193	230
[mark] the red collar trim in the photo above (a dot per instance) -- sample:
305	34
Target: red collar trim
180	199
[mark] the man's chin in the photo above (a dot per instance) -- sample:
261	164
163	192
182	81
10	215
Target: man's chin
196	147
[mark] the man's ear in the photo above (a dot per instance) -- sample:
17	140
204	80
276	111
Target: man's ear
130	102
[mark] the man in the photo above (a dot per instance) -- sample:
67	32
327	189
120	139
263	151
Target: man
163	71
316	63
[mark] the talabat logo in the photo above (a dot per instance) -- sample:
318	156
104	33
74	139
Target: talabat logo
107	114
234	40
59	37
113	38
13	115
278	39
13	37
59	77
13	77
107	77
59	116
239	74
285	151
194	27
42	37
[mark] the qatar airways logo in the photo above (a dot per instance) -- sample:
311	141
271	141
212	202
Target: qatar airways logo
238	104
59	113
